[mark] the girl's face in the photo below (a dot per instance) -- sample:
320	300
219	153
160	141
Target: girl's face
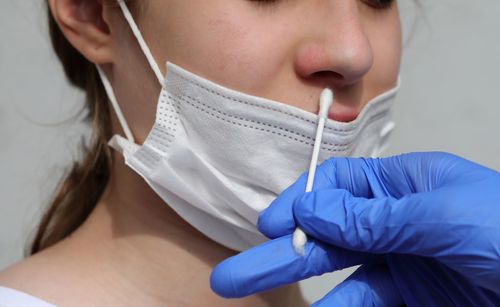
285	50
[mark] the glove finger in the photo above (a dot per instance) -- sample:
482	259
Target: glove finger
361	177
277	220
370	285
399	175
383	225
275	263
395	176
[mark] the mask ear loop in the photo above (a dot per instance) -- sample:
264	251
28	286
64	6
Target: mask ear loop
137	33
149	56
112	98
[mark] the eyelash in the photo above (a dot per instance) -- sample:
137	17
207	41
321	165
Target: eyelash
376	4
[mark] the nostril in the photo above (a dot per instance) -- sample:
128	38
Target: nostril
327	75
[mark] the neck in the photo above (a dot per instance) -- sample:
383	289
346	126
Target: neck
146	251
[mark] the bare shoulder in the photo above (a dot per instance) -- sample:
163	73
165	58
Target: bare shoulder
38	276
60	275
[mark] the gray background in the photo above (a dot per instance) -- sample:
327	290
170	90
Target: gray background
450	100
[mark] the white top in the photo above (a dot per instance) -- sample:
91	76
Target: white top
13	298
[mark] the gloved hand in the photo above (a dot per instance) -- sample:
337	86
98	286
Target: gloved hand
426	226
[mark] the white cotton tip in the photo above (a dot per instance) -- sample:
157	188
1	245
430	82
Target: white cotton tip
299	241
325	102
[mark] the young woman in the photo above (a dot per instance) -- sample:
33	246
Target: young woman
119	233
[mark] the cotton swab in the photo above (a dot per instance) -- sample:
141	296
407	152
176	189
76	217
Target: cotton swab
325	103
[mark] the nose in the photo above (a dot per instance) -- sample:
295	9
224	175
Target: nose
336	51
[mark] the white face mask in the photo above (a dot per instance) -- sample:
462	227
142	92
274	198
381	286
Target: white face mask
218	157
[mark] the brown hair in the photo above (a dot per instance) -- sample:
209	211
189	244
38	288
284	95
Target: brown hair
78	193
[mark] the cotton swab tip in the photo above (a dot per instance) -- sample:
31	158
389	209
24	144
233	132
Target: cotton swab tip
325	102
299	241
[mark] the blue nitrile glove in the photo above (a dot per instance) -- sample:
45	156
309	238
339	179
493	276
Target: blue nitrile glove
432	218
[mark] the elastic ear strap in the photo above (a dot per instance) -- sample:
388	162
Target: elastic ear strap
114	103
137	33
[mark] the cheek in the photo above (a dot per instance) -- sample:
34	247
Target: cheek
231	49
249	56
238	54
385	39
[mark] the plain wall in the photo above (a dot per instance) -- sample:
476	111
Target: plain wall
450	101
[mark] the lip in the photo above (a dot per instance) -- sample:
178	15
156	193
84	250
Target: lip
343	113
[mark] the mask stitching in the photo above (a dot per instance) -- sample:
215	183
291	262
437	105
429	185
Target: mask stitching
167	123
164	116
161	142
193	100
164	123
149	157
166	103
265	130
354	126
